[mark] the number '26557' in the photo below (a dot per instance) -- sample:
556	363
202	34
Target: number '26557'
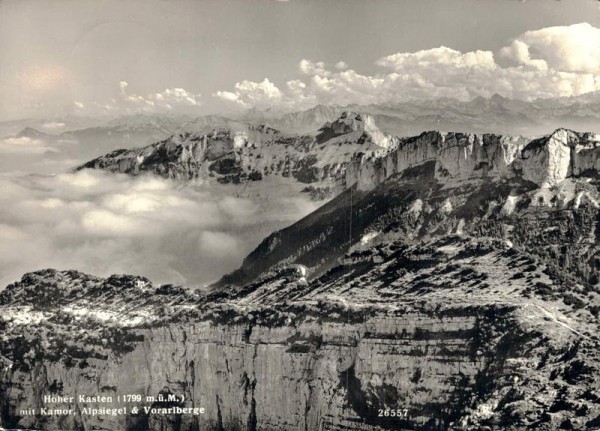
393	413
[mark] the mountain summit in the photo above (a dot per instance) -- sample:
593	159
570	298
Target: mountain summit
348	122
361	126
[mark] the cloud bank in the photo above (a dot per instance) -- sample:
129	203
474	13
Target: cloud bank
549	62
105	223
24	145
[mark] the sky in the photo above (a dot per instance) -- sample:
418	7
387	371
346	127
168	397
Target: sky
116	57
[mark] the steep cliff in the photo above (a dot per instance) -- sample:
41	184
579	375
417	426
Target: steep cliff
546	161
449	334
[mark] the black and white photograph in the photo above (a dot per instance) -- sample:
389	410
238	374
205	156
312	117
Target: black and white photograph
299	215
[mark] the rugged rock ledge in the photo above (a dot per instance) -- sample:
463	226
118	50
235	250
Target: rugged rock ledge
546	161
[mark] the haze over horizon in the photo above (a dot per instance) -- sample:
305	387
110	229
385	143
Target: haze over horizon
112	58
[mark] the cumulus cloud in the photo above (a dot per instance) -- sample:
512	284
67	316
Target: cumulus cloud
436	57
549	62
341	65
575	48
105	223
312	68
253	94
165	100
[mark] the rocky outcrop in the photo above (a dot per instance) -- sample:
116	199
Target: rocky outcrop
458	157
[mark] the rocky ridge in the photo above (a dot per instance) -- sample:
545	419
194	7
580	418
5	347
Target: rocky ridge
546	161
439	183
229	155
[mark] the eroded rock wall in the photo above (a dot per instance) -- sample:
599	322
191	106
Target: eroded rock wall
309	376
545	161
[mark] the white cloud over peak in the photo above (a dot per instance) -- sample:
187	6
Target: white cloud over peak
165	100
253	94
549	62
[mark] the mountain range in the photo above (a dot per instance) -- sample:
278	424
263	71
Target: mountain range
80	139
450	278
496	114
237	155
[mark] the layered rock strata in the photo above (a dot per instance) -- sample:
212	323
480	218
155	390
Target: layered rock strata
546	161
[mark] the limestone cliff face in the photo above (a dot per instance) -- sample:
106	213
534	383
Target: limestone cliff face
332	375
443	332
546	161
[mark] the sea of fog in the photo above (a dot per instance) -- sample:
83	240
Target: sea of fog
103	223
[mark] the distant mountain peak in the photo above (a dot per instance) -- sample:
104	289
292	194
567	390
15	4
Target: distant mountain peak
352	122
347	122
30	132
563	131
263	128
